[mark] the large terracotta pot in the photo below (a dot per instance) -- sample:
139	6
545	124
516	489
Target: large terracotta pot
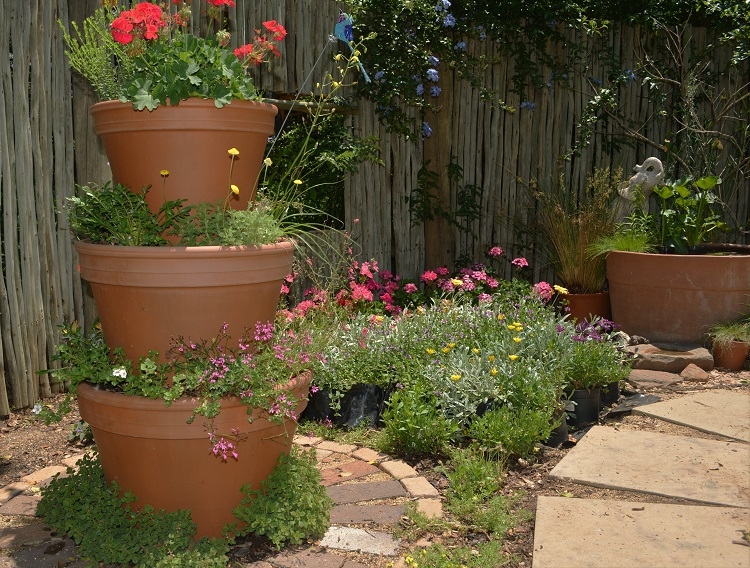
151	450
581	307
675	297
146	296
190	141
731	356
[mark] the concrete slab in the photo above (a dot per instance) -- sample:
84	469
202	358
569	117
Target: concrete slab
591	533
722	412
372	542
706	471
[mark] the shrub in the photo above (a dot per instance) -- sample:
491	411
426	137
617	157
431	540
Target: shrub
503	433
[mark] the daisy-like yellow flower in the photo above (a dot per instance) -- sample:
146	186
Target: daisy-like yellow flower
491	358
511	327
430	351
500	317
560	289
517	339
456	282
298	182
164	173
475	351
493	371
268	162
235	189
445	349
451	345
518	324
379	319
234	152
455	377
512	357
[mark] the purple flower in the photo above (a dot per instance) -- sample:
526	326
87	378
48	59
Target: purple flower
426	130
379	75
460	46
433	61
528	105
432	75
420	89
449	21
435	91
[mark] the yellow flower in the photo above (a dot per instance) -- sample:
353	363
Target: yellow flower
491	358
560	289
379	319
338	57
500	317
512	357
354	59
357	53
430	351
517	339
234	152
235	189
517	324
451	345
456	282
335	84
445	349
455	377
268	162
164	173
298	182
512	327
475	351
493	371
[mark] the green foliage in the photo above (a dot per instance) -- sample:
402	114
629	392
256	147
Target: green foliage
595	363
502	433
414	426
114	215
291	506
725	333
570	224
105	529
484	555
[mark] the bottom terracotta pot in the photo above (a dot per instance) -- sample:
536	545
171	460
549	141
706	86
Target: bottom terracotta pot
150	449
583	306
731	356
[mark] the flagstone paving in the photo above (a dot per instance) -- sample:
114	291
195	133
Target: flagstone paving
722	412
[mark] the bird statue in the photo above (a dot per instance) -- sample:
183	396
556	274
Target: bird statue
344	31
639	187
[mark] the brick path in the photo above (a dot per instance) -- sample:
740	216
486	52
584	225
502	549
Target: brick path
369	491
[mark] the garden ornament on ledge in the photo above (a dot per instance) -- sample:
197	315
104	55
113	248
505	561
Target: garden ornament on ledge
638	189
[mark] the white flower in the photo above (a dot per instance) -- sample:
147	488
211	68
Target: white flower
121	372
37	408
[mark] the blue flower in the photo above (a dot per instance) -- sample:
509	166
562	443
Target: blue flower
460	46
420	89
433	61
435	91
596	81
432	75
442	5
379	75
630	75
449	21
528	105
426	130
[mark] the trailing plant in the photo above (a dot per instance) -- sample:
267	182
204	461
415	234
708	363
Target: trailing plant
104	528
291	506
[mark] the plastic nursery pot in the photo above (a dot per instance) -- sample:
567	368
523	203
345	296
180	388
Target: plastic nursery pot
587	406
610	393
151	450
559	435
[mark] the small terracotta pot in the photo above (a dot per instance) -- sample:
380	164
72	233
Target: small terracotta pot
147	296
731	356
583	306
191	141
151	450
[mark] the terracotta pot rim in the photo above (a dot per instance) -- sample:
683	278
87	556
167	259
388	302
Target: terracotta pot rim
667	255
193	251
189	102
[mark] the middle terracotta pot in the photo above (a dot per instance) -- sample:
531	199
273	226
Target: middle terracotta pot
147	296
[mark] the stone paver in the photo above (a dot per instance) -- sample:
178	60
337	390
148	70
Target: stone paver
368	455
419	487
310	558
613	534
302	440
10	491
722	412
370	491
348	471
706	471
25	535
398	469
670	358
72	461
648	379
21	505
372	542
430	508
336	447
43	474
351	514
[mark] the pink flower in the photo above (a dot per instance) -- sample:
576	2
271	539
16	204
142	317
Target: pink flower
387	298
442	271
544	291
360	292
429	276
494	252
484	297
520	262
410	288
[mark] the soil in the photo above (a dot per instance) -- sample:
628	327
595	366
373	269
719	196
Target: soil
27	445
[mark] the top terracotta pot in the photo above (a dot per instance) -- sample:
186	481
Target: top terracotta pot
190	141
